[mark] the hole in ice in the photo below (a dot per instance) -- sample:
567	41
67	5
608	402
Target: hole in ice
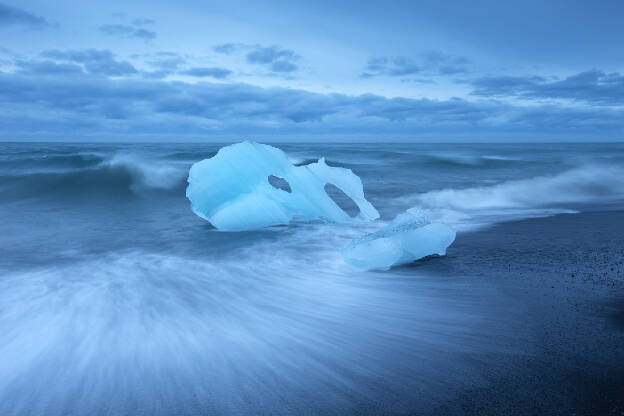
279	183
342	200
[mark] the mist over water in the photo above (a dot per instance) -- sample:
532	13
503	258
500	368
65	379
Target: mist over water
116	299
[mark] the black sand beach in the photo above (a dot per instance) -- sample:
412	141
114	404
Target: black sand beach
566	274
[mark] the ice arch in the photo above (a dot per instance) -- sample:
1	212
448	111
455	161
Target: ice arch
232	190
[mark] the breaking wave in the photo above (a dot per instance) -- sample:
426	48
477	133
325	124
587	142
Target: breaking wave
80	174
147	174
467	159
534	197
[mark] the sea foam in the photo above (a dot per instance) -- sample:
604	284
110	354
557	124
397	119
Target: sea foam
525	198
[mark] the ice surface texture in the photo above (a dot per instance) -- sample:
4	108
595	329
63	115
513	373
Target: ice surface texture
232	189
407	238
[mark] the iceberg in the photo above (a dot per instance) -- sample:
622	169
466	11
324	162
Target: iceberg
250	185
409	237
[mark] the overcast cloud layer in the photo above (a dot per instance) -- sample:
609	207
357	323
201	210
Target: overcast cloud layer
408	71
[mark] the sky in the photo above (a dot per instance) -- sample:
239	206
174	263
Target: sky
295	70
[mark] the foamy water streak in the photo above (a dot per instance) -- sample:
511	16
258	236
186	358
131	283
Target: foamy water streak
262	331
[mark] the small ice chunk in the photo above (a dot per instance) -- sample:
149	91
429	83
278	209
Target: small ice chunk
409	237
250	185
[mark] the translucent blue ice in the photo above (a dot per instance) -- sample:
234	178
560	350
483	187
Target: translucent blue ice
409	237
232	189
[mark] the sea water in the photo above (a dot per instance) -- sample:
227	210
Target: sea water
116	299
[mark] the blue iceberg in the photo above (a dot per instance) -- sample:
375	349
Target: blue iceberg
409	237
233	191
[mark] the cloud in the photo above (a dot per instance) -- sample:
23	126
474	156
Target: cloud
142	22
391	67
283	66
444	64
126	31
214	72
97	62
267	55
169	62
277	59
156	74
66	106
164	64
227	48
504	85
273	58
593	87
14	16
49	68
430	63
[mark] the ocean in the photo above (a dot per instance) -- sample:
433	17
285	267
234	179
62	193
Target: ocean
116	299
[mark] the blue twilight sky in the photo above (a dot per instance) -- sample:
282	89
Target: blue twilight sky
273	70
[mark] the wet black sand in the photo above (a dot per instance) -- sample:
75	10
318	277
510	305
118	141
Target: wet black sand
567	275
